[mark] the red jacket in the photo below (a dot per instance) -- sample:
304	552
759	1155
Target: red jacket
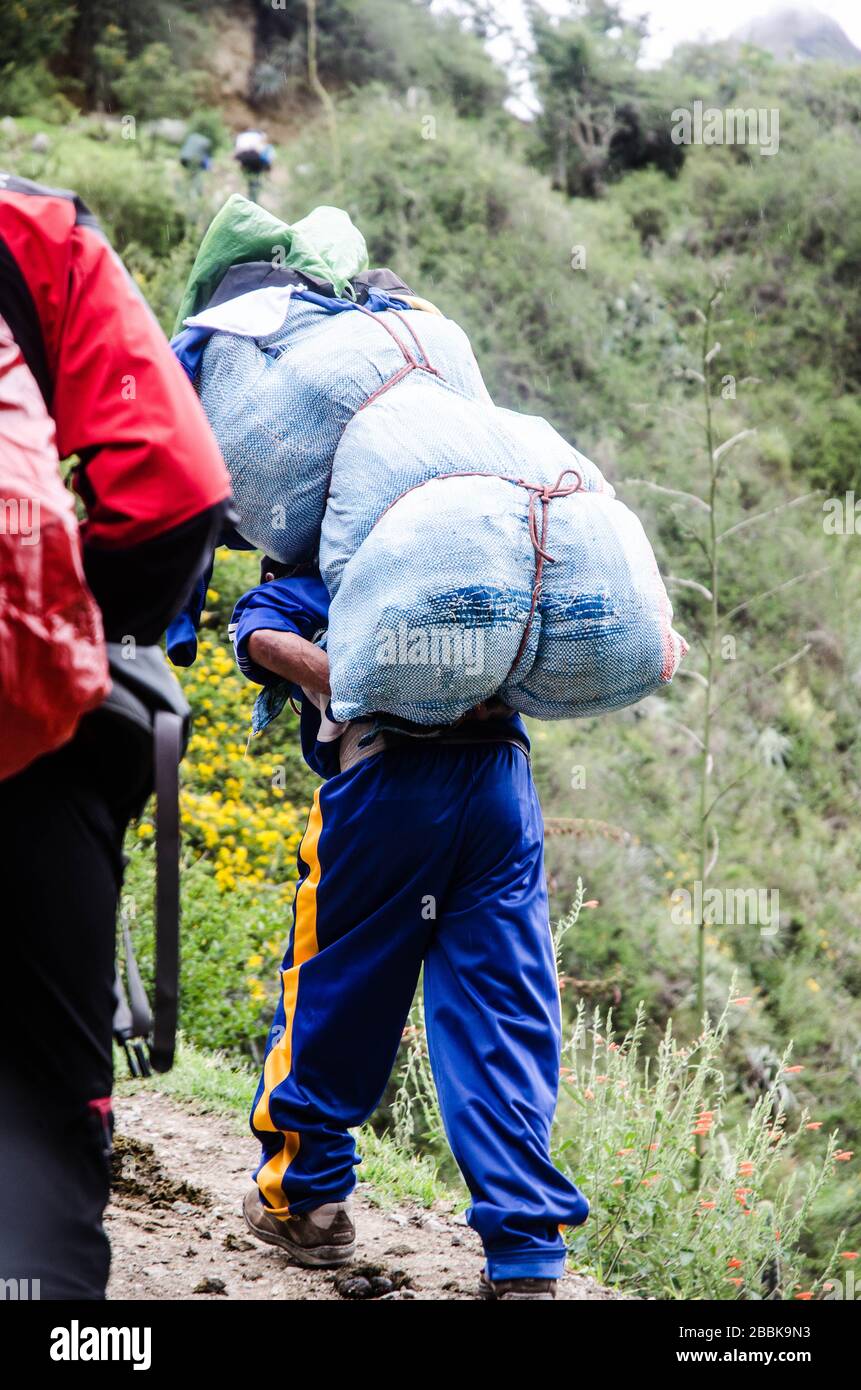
79	348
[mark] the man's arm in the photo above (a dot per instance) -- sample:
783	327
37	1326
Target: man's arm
290	656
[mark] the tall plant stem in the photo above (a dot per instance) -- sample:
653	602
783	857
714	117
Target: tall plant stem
319	90
710	645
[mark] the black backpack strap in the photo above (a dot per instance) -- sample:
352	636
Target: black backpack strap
148	698
168	736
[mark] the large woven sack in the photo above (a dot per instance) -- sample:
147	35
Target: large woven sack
422	429
434	612
279	404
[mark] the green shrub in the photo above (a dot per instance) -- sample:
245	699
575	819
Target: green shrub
33	91
829	448
663	1222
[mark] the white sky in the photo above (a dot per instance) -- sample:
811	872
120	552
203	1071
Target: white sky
675	21
670	22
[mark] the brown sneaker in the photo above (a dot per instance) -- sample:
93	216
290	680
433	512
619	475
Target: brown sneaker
317	1239
498	1289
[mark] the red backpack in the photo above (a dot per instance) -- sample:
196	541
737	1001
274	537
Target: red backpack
53	664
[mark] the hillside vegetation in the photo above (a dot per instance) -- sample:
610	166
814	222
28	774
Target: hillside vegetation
595	274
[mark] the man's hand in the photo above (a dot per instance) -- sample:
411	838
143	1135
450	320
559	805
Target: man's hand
490	709
290	656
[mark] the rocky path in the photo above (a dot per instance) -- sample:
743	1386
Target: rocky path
177	1233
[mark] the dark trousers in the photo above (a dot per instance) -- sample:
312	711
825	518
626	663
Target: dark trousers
62	823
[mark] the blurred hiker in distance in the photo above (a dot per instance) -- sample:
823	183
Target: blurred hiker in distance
196	158
254	153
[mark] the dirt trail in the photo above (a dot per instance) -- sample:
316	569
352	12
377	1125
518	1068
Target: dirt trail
177	1233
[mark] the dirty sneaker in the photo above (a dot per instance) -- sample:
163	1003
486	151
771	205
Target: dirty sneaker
316	1239
499	1289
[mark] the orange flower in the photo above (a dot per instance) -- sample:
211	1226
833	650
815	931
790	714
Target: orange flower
617	1182
814	1124
593	902
792	1071
743	1191
701	1129
742	999
806	1296
589	1094
707	1206
602	1078
843	1155
623	1153
737	1281
849	1254
733	1263
652	1148
706	1115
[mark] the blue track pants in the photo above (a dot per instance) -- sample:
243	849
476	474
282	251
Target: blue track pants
429	856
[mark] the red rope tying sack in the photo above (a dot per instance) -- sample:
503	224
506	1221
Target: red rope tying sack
539	492
410	362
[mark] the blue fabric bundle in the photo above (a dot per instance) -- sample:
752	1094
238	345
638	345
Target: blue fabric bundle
469	550
434	611
279	404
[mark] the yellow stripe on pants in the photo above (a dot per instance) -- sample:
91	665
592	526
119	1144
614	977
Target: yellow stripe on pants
280	1058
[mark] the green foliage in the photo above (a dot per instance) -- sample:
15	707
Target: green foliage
110	62
399	43
30	32
662	1223
209	121
152	87
599	116
33	90
829	445
105	31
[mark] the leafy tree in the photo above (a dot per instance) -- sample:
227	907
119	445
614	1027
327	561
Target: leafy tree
598	116
152	87
397	42
135	26
30	33
110	58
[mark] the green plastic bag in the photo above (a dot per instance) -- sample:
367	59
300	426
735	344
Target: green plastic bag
325	244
